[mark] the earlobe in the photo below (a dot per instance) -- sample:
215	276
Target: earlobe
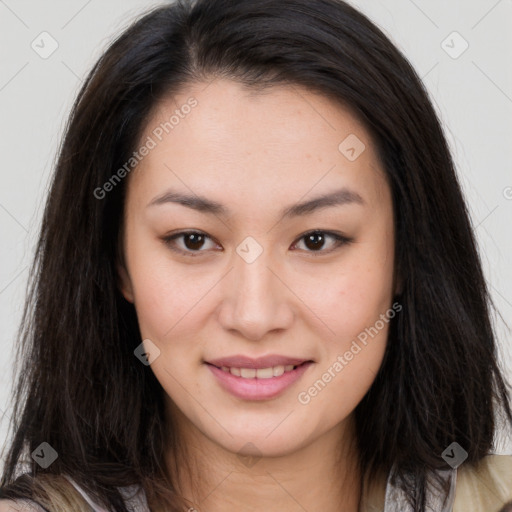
124	283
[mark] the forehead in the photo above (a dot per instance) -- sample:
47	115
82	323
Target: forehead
281	142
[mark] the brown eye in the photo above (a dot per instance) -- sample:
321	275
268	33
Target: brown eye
315	241
192	242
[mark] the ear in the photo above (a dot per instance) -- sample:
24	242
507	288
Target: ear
125	283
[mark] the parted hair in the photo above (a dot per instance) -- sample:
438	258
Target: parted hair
79	386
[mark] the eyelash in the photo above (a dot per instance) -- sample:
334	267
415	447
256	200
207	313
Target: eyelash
340	241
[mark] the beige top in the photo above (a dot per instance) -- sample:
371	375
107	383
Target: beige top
484	488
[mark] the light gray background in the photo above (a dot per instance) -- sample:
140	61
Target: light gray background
472	93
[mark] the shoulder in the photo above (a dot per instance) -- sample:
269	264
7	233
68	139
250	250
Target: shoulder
486	486
64	493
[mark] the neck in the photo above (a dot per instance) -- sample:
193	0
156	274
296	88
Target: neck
322	475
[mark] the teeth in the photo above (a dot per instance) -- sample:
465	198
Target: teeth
278	370
264	373
247	373
260	373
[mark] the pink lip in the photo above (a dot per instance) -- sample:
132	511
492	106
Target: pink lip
240	361
257	389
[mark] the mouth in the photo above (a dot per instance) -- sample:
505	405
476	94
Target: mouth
257	384
260	373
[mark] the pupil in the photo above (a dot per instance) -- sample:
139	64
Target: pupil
315	238
195	238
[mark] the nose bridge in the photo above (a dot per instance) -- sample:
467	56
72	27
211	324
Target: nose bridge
257	300
254	278
254	282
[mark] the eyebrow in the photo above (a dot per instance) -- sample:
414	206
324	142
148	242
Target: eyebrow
338	197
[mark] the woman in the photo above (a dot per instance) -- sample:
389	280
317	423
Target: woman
256	284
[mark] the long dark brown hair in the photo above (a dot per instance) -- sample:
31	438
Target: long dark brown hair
79	386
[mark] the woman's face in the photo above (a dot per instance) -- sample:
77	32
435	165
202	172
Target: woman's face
253	290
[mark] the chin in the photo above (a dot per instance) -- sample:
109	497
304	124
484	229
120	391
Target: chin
257	442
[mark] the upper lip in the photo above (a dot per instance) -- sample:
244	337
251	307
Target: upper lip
239	361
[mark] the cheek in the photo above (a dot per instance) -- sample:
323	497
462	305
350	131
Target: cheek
343	383
353	298
351	360
360	313
167	297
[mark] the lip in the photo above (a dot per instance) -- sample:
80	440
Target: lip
239	361
258	389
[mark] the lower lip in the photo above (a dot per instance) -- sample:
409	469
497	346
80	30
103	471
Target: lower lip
258	389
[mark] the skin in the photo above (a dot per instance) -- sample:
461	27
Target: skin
255	154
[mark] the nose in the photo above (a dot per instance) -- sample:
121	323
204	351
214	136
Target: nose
256	300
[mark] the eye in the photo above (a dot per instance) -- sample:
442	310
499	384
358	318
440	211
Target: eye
194	241
316	240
